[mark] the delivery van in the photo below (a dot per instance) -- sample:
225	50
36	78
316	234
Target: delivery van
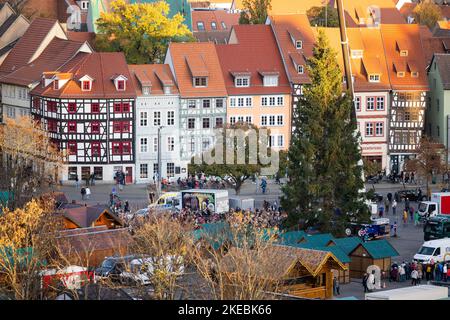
434	250
168	200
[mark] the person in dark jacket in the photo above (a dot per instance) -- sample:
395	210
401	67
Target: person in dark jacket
364	282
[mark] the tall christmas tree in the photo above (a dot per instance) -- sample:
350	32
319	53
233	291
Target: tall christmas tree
324	169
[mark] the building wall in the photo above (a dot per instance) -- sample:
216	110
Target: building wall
436	117
257	111
373	145
147	128
15	101
199	136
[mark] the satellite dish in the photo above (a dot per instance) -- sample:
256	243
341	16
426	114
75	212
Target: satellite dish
348	232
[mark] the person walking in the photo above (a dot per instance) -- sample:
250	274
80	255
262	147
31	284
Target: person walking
411	213
386	206
428	272
405	216
88	193
419	273
394	227
364	282
77	182
407	204
83	193
414	276
448	273
394	207
444	272
401	272
263	186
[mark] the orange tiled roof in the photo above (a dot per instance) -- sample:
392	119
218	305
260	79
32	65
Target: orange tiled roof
374	61
102	67
195	52
288	6
408	35
255	53
154	75
217	16
294	25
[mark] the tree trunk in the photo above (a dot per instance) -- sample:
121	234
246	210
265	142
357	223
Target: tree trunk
238	186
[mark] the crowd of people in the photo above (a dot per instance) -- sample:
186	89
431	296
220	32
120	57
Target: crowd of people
417	271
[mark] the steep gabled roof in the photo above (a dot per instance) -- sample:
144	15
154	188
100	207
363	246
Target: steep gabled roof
378	249
85	216
407	36
285	27
102	66
443	63
26	47
258	55
154	75
181	53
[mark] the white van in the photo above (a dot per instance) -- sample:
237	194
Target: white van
436	250
168	200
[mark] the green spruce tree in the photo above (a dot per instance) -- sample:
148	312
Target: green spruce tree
324	170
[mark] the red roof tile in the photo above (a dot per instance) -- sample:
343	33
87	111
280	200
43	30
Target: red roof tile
154	75
200	51
256	53
409	37
25	48
102	66
217	16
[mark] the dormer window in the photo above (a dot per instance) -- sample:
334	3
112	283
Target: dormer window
213	25
400	74
56	84
357	54
200	82
146	91
167	90
242	81
374	78
300	69
200	26
403	53
415	74
299	44
270	81
121	85
84	5
86	85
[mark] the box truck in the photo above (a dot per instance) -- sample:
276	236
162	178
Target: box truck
439	204
244	204
215	201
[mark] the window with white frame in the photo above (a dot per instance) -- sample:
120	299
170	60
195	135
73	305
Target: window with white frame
280	101
369	129
280	140
272	101
191	104
357	54
298	44
248	101
156	118
232	120
170	118
143	120
264	101
374	78
232	102
270	81
155	144
144	145
370	103
205	143
170	169
271	120
143	170
280	120
191	123
380	103
219	103
240	102
263	121
248	119
242	81
300	69
240	119
200	82
170	143
192	145
206	103
379	126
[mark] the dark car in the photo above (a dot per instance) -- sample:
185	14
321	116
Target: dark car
411	194
377	197
112	267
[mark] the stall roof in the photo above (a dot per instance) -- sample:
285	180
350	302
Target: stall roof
379	249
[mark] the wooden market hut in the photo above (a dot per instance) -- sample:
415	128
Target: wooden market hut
365	254
300	272
81	216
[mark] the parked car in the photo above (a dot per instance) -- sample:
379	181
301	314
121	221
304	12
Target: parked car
377	197
112	267
411	194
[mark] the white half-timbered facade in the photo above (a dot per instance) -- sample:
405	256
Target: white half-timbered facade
89	113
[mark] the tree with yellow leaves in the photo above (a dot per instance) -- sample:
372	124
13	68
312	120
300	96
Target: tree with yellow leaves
26	243
141	30
427	13
29	161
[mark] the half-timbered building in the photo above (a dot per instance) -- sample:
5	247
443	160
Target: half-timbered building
88	105
406	63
